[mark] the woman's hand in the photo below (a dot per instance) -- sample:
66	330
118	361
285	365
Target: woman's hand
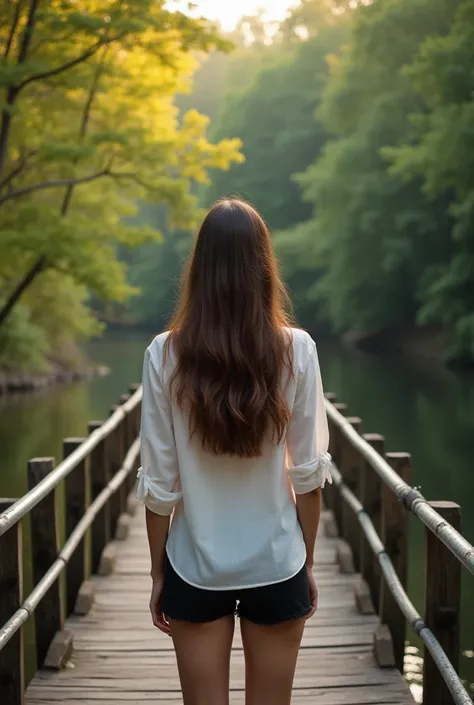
159	619
313	591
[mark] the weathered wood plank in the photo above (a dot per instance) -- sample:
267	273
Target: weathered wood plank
120	657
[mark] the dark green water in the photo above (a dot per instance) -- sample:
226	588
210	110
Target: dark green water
422	409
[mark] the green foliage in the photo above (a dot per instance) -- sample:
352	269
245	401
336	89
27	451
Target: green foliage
23	343
44	327
441	153
274	116
361	159
370	228
390	242
88	129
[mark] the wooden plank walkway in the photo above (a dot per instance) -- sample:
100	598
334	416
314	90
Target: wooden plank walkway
120	657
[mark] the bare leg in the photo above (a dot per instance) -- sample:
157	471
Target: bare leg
270	660
203	655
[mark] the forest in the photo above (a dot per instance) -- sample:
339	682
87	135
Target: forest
350	125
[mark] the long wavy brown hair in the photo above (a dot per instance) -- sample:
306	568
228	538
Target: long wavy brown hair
229	337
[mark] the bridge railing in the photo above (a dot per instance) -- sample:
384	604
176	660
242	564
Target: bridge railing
86	497
370	501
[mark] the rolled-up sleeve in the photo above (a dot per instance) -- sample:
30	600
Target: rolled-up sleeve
308	434
158	479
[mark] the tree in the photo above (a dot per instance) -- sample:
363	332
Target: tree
440	151
88	127
372	235
274	116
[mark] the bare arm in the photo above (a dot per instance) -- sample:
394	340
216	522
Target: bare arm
157	528
308	507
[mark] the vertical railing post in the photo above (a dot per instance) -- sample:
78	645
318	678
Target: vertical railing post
114	455
337	449
12	675
442	604
124	430
49	614
370	497
99	473
394	535
76	503
351	463
330	490
136	420
128	438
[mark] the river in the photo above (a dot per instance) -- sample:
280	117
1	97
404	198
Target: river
420	408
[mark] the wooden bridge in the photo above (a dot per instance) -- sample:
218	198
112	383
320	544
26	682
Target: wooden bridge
107	649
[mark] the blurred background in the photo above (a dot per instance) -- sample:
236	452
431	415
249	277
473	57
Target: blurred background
350	126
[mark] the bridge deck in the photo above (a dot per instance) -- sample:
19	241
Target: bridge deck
120	658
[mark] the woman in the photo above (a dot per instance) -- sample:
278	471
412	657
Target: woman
234	445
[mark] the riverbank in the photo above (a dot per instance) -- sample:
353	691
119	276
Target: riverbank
428	343
18	382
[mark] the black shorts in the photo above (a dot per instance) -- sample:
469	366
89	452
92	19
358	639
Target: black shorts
270	604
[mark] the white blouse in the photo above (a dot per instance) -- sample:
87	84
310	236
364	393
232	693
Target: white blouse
234	523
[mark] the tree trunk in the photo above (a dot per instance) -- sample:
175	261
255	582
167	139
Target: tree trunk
13	28
5	126
30	276
13	91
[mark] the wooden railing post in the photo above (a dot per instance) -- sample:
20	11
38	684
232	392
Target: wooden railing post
336	445
128	438
442	604
12	675
330	490
114	457
49	614
136	420
76	503
394	535
351	464
370	497
124	430
99	473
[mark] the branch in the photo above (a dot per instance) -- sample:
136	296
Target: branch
132	177
13	28
92	94
57	183
69	64
28	33
39	266
22	163
12	91
84	124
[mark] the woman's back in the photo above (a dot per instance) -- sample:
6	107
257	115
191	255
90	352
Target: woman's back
235	524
